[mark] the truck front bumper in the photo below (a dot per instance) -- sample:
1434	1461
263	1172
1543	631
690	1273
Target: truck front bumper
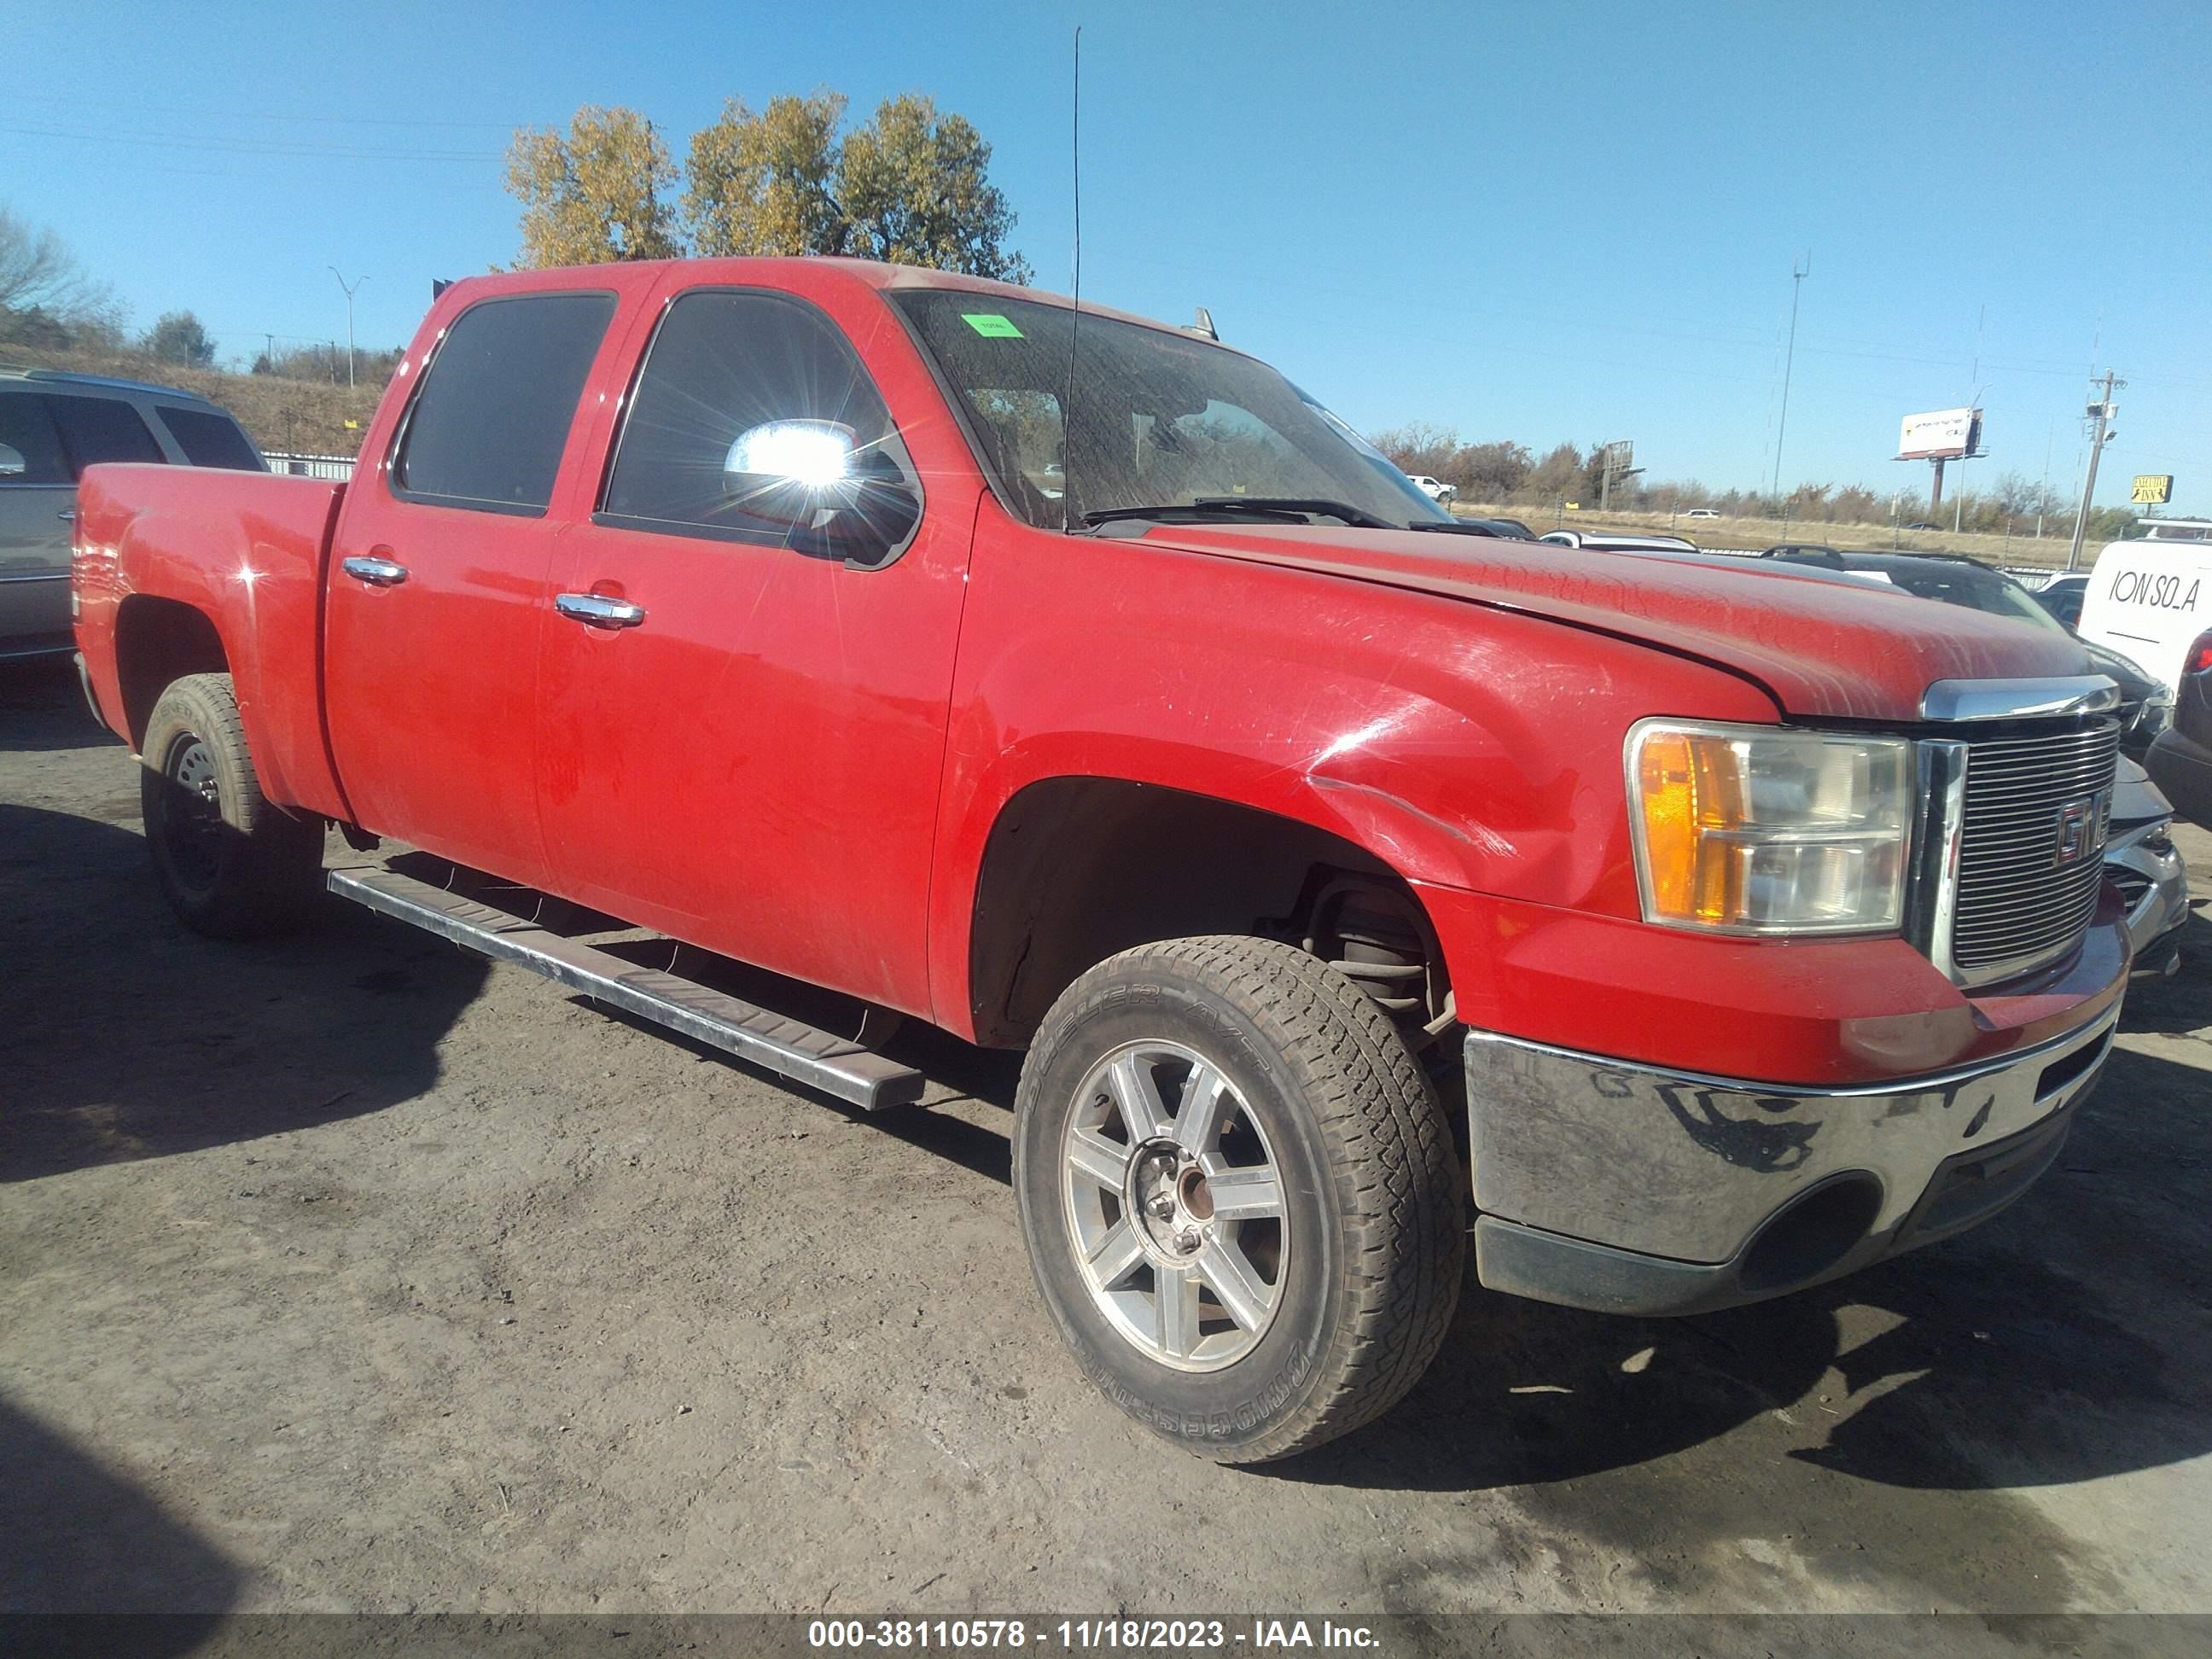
1630	1188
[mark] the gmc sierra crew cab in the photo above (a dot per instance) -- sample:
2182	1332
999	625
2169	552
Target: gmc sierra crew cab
1363	893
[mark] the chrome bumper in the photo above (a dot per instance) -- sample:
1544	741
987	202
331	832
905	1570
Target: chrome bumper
1610	1185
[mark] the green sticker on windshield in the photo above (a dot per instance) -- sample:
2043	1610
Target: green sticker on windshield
991	326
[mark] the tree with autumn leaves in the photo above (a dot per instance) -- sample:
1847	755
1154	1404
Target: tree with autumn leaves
909	185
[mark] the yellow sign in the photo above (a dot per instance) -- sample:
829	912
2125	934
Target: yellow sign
1574	507
2153	488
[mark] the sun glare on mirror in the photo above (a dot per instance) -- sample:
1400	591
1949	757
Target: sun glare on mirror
811	452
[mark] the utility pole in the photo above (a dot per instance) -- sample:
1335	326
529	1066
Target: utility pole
2101	412
2043	491
1781	426
357	282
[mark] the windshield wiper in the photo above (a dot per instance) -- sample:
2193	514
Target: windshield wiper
1286	509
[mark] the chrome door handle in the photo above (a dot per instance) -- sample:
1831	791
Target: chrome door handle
377	573
597	611
66	518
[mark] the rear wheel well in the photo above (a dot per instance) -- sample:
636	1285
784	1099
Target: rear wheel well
158	642
1080	868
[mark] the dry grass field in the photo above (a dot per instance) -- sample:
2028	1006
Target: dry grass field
2023	551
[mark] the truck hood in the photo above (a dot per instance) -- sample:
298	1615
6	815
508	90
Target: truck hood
1821	646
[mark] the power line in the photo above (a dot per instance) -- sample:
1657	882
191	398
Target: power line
245	146
77	103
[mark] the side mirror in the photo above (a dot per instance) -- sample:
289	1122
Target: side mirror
11	461
811	478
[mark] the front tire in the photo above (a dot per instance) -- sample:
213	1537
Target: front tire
231	863
1239	1195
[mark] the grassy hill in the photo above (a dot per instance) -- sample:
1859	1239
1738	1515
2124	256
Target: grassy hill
300	416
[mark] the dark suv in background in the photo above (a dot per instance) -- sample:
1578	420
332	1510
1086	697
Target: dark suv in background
53	426
2181	760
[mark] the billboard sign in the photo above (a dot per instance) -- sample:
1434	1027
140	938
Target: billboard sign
1945	434
2153	488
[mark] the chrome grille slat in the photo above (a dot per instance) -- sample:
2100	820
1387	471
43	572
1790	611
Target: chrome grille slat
2028	911
2011	789
2017	908
2023	890
2058	923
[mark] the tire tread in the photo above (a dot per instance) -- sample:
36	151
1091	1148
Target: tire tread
273	889
1391	1156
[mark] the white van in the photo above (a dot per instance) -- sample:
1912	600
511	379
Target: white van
2148	599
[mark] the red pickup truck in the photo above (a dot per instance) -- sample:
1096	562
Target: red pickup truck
1359	888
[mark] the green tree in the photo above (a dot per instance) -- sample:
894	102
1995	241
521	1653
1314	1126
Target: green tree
1561	474
765	184
595	193
910	186
917	191
179	337
1489	473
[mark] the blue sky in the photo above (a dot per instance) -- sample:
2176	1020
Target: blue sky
1542	222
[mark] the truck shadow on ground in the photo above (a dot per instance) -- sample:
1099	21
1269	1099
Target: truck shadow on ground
2180	1004
128	1037
81	1538
1880	1431
42	709
2065	1340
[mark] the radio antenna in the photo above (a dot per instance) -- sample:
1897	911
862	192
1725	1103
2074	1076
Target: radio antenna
1075	318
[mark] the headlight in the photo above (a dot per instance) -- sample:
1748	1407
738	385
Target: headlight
1755	829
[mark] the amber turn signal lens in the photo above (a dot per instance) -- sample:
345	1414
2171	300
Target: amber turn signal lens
1760	830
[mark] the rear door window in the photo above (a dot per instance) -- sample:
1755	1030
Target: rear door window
27	431
98	430
210	437
487	427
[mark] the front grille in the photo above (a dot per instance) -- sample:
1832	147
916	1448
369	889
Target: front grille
2018	906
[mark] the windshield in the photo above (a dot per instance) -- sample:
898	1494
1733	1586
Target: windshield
1975	588
1160	420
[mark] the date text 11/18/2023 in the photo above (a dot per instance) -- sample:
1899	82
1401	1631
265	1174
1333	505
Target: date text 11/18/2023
1088	1635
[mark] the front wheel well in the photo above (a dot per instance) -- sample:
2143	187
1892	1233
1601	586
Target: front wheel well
157	642
1078	869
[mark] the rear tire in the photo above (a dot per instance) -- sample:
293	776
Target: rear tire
1239	1195
231	863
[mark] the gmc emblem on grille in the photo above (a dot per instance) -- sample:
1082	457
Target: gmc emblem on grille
2082	827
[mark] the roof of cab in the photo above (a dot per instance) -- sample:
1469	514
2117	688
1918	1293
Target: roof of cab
873	273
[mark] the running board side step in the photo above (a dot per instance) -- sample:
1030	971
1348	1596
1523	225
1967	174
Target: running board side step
837	1065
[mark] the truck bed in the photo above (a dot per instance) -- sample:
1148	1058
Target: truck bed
246	550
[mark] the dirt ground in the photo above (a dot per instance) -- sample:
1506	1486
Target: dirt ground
351	1273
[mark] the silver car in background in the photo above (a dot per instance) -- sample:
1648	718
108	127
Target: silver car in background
54	425
2142	862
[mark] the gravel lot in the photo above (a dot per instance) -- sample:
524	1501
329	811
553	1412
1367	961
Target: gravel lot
351	1273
